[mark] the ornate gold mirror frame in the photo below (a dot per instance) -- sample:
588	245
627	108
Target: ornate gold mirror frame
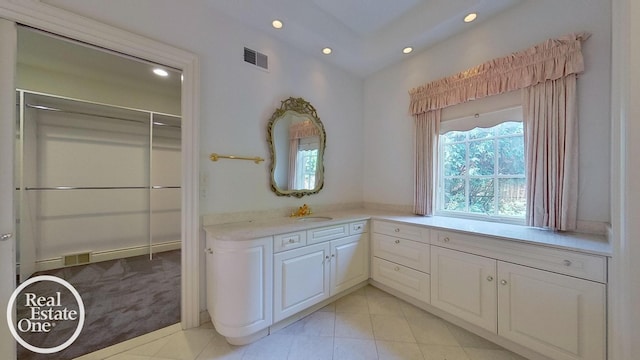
297	142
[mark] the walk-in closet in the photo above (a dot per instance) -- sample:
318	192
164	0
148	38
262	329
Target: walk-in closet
98	187
97	182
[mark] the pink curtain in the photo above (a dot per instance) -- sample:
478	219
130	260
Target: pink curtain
551	148
293	160
547	74
550	60
427	126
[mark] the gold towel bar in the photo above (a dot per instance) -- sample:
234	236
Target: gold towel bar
216	157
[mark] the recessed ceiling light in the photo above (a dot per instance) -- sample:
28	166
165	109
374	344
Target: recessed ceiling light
327	51
160	72
277	24
407	50
470	17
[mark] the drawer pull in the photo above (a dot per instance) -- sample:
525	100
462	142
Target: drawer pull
397	241
397	230
503	282
489	278
396	268
291	241
567	263
446	239
208	251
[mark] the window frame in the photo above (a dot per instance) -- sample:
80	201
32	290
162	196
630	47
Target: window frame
488	120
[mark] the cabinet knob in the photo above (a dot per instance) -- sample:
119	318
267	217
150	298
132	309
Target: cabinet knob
489	278
446	239
397	230
208	251
333	255
397	241
503	282
567	263
291	241
396	268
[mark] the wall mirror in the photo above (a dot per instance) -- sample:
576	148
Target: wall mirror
296	139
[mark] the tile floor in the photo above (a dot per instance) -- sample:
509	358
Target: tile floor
367	324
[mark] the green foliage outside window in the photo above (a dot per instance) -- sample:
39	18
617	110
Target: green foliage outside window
483	171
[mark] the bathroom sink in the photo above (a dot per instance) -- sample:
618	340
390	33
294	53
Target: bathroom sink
314	218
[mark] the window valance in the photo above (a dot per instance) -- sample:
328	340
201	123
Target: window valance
550	60
303	129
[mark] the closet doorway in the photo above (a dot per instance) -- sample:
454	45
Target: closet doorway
98	184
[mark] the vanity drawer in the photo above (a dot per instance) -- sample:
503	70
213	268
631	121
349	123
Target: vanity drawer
567	262
404	231
358	227
289	241
413	254
327	233
408	281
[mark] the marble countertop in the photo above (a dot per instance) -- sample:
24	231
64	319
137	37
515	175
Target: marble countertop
245	230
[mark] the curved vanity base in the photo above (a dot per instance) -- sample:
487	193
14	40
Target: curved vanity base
244	340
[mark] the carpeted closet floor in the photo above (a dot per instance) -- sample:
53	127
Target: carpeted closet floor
123	299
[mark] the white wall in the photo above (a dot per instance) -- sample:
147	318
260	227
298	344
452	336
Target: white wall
388	161
238	100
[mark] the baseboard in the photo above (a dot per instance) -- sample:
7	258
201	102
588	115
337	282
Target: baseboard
204	317
98	256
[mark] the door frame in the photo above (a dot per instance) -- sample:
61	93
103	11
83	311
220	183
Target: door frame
61	22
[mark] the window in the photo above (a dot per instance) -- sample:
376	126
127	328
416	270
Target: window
482	170
306	176
307	158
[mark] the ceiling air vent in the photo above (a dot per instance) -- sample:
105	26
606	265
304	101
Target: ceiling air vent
256	58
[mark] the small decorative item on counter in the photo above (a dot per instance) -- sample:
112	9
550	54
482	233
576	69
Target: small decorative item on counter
303	210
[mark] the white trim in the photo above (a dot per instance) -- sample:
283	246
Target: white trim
8	47
49	18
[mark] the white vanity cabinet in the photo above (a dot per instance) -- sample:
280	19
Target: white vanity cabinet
301	279
334	261
464	285
254	283
555	314
239	296
400	258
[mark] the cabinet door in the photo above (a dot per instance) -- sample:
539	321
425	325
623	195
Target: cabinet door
239	292
557	315
464	285
349	262
301	279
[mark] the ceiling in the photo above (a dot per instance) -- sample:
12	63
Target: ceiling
52	53
365	35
